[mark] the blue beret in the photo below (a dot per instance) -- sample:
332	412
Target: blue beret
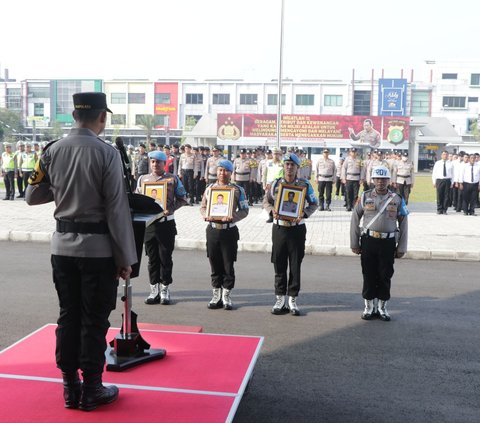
226	164
157	155
290	157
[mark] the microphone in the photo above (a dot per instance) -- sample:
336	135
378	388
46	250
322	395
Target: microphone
123	153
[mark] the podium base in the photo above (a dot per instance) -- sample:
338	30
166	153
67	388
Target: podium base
116	363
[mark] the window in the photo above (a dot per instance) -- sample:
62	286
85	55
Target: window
455	102
119	119
475	79
473	99
38	109
118	98
194	99
14	99
162	98
136	98
305	100
161	120
333	100
221	99
39	92
272	99
140	119
248	99
420	103
449	76
471	123
361	103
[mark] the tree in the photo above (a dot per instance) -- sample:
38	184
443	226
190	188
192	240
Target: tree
474	127
10	123
53	133
147	123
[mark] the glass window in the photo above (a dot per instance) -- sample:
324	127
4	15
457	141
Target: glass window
333	100
221	99
194	99
136	98
161	120
14	98
38	109
272	99
162	98
457	102
248	99
119	119
449	76
140	119
118	98
305	100
38	92
361	103
420	103
65	91
473	99
475	79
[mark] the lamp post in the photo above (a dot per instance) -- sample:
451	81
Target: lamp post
280	77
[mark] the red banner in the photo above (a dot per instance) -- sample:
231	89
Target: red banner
309	127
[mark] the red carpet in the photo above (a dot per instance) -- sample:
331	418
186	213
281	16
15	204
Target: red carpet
201	379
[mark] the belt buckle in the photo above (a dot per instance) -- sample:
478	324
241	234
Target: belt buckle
376	234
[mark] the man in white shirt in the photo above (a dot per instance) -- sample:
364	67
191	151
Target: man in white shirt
469	180
442	177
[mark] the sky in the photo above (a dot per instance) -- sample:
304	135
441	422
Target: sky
226	39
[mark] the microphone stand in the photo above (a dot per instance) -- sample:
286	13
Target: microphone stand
128	348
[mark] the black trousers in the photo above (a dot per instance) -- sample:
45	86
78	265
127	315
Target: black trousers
199	187
87	293
159	246
222	247
246	186
9	180
377	258
25	176
403	190
339	187
288	250
470	192
20	185
187	179
443	192
351	190
325	192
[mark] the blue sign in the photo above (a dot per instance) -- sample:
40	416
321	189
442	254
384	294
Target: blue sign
392	97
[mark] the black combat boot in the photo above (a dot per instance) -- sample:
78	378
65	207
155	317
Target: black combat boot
72	389
95	394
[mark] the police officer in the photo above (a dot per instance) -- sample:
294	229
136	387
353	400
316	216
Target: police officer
160	235
288	237
383	238
18	154
92	247
26	163
242	171
186	167
8	171
325	170
211	165
403	177
352	177
141	163
222	236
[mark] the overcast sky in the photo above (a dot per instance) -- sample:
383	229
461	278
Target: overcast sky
160	39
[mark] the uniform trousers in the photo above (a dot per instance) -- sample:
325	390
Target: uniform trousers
187	179
470	192
199	187
222	246
246	186
26	174
403	190
443	190
87	293
339	187
377	258
159	246
21	192
288	250
325	192
351	190
9	180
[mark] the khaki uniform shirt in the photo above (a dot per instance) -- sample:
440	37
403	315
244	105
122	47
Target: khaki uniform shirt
241	170
325	170
403	173
211	167
352	169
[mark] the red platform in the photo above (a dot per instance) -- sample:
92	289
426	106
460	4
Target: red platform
201	379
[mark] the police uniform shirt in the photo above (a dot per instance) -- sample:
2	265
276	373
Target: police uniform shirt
141	165
371	138
240	202
325	170
241	170
176	194
8	162
393	218
27	161
403	173
187	162
211	167
352	169
273	170
60	175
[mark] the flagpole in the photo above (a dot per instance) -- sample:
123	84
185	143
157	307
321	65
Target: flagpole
280	78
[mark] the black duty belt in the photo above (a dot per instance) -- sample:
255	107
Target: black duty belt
404	176
325	176
239	173
82	227
354	174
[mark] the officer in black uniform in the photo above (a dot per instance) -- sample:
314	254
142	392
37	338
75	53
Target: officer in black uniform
92	247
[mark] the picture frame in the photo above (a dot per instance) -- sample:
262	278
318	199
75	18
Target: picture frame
157	190
220	202
289	201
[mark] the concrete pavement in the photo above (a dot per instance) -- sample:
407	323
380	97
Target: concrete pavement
431	236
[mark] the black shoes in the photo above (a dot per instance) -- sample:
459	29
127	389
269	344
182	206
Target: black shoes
72	389
93	396
270	219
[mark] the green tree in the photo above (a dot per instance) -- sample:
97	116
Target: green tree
10	123
147	123
474	127
53	133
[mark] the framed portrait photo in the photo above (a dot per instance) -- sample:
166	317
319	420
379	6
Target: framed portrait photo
157	190
290	201
220	202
